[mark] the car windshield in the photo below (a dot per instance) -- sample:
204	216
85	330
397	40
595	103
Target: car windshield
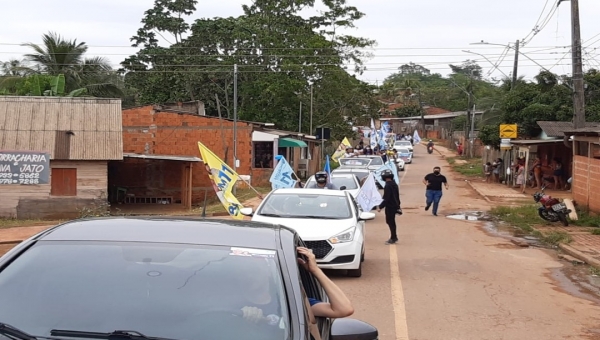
359	174
176	291
338	181
403	151
354	162
398	143
376	160
297	205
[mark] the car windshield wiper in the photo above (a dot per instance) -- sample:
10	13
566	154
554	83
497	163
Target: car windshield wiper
318	217
118	334
270	215
15	333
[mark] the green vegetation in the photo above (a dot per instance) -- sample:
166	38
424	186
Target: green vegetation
469	167
584	219
13	222
213	205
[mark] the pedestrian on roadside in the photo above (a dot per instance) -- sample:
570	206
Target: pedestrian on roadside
487	168
391	204
433	193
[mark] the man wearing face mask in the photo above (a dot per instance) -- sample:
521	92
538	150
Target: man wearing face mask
434	182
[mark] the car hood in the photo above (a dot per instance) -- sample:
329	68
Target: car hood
310	229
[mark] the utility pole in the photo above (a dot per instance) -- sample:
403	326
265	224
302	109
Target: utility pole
422	112
578	85
235	100
472	134
516	66
311	109
300	119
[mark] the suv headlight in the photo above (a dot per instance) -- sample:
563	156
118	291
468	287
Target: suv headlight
345	236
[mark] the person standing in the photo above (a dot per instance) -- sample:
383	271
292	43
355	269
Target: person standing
434	182
391	204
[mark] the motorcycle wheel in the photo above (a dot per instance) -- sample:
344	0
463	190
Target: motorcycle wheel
547	216
563	219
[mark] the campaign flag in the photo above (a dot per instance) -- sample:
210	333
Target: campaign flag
373	135
385	127
387	166
327	169
382	143
223	179
282	175
341	150
369	196
416	138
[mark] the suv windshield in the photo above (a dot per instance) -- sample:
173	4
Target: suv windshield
338	181
375	160
162	290
306	206
400	143
364	162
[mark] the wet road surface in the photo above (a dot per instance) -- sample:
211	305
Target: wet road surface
449	279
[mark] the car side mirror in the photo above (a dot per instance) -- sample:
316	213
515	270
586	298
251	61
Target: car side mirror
343	187
352	329
247	211
366	216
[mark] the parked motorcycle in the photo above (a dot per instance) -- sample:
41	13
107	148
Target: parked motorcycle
551	208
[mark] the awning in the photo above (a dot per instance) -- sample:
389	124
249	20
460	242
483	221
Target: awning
291	143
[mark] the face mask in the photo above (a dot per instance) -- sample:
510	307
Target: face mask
437	172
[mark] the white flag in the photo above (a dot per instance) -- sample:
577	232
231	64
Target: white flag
416	138
369	196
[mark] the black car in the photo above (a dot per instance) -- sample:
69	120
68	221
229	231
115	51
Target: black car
157	278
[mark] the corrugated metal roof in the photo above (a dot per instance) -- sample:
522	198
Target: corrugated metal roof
590	130
535	141
163	157
67	128
558	129
436	116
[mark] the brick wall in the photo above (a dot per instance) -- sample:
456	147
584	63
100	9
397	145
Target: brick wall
163	133
586	182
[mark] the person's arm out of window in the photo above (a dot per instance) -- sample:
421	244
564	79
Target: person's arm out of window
339	305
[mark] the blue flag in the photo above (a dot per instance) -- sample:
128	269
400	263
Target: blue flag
282	175
327	169
387	166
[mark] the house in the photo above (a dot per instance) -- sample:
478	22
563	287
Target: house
586	167
56	150
388	111
436	125
162	162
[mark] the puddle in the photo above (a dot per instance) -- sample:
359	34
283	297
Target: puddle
577	281
470	216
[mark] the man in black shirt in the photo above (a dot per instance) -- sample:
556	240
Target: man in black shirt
434	182
391	203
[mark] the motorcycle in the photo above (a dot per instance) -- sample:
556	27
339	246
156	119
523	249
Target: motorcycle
430	150
551	208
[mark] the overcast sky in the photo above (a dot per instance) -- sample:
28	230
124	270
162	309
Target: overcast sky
432	33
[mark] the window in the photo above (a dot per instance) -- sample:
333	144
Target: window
263	155
63	182
595	153
582	149
305	153
146	287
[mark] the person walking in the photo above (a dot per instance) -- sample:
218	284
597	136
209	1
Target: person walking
391	204
434	182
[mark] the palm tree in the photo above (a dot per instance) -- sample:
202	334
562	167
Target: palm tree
56	56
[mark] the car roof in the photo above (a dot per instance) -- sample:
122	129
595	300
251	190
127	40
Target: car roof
169	230
403	141
304	191
340	170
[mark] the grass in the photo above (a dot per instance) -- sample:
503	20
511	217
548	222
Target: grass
526	218
213	205
469	167
594	271
584	219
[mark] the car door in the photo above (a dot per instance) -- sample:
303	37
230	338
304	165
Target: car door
314	290
357	209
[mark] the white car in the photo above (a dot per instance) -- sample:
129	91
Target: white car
350	182
330	222
403	144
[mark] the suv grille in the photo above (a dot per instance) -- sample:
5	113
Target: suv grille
319	248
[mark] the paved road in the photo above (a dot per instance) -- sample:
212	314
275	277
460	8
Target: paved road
448	279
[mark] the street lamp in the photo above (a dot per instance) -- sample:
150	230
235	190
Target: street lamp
489	61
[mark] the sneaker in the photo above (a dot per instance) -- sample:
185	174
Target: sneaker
391	241
427	207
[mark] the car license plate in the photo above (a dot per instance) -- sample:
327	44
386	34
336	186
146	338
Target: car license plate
559	207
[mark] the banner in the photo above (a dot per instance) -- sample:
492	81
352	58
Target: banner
416	138
387	166
282	175
341	150
368	196
223	178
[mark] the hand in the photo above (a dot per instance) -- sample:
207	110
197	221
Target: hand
253	314
311	263
378	209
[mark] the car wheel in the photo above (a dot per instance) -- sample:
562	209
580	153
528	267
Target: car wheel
362	257
355	272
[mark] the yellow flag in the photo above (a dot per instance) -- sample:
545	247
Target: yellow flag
341	149
223	179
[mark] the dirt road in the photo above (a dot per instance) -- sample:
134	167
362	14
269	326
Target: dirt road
448	279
